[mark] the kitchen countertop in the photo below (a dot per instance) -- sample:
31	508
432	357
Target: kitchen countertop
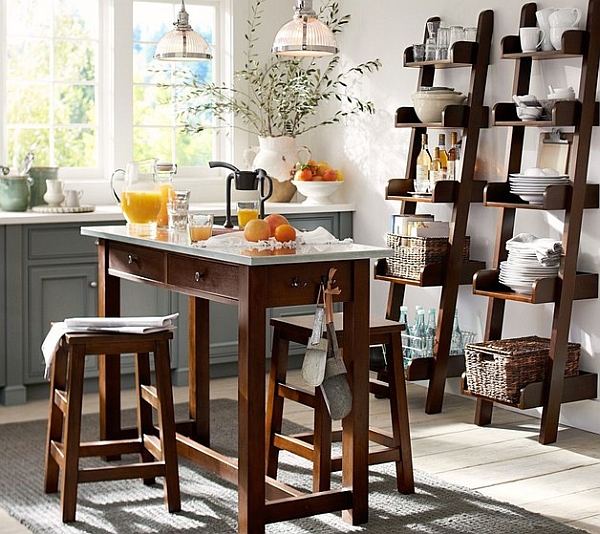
113	212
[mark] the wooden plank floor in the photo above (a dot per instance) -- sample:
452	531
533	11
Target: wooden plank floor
504	461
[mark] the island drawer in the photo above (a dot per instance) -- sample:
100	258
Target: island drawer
137	262
202	275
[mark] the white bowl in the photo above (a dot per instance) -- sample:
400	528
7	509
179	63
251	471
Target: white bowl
430	104
529	113
317	193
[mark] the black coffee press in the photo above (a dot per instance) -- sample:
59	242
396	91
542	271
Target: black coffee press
245	181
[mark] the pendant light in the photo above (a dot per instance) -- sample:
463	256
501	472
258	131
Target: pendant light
182	43
305	35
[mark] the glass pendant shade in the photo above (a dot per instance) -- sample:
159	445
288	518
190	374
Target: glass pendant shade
305	35
182	43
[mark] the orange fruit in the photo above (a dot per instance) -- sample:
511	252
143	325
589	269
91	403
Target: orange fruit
304	175
275	220
322	166
257	230
330	175
284	233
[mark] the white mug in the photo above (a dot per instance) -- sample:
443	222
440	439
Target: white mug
543	22
566	17
72	197
531	38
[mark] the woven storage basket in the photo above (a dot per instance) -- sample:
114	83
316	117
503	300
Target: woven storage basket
413	253
499	369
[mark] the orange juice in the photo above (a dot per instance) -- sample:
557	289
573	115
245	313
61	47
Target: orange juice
165	191
200	233
244	215
141	207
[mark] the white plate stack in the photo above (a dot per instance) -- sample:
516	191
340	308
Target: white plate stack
529	258
531	188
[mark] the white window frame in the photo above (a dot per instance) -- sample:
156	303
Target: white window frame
115	103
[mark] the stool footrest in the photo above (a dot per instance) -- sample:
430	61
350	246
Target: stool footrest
295	394
149	395
114	472
379	388
110	448
293	445
60	399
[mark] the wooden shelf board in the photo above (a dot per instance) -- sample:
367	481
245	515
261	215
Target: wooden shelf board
556	197
544	290
422	368
584	386
431	275
445	191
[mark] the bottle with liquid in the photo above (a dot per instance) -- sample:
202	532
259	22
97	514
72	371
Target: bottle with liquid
456	341
452	157
443	155
435	170
406	356
431	331
423	166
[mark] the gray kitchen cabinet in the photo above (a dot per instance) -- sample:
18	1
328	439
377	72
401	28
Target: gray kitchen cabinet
50	271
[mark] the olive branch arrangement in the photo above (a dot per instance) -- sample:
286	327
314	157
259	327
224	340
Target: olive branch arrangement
278	96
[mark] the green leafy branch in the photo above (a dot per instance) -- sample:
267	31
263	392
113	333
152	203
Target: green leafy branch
280	96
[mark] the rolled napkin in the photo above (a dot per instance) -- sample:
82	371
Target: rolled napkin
123	325
547	250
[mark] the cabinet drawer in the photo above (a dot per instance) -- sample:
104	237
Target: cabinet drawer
202	275
138	262
59	242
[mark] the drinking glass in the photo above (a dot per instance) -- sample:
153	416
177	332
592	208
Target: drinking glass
200	226
178	206
457	33
443	41
418	52
471	34
246	211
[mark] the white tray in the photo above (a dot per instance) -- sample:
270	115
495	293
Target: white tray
63	209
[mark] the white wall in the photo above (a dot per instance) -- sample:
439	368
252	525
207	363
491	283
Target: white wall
370	151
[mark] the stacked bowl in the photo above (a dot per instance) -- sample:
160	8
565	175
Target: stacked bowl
530	185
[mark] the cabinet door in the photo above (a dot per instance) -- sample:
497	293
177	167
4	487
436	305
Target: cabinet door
2	307
55	292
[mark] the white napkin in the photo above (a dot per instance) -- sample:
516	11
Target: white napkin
124	325
547	250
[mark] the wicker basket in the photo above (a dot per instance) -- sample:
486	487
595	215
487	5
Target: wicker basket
499	369
411	254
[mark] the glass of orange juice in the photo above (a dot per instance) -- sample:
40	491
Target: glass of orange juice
246	211
200	226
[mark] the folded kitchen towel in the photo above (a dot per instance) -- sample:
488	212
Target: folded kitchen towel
123	325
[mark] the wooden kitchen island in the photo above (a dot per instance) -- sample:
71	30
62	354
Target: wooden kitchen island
253	281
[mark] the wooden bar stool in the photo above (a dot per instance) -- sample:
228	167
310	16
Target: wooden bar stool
316	446
157	449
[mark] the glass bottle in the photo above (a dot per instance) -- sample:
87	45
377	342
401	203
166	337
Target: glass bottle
443	155
452	157
405	339
423	165
456	342
419	335
435	169
431	331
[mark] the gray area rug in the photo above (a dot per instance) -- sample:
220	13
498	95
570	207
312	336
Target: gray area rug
210	505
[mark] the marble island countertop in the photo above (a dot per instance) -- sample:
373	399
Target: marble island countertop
113	212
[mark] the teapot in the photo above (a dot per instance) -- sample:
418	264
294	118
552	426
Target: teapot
140	196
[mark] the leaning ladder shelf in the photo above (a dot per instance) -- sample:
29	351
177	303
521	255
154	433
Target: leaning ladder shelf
469	117
574	198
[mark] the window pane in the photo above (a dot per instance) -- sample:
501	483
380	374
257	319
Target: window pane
157	126
52	81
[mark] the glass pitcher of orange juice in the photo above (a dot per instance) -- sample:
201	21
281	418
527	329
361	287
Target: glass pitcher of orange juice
140	198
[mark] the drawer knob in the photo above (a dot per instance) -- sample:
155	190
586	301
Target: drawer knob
198	275
296	282
131	259
93	285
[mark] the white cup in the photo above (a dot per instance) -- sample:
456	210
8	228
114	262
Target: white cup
569	16
72	197
556	35
531	38
543	22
